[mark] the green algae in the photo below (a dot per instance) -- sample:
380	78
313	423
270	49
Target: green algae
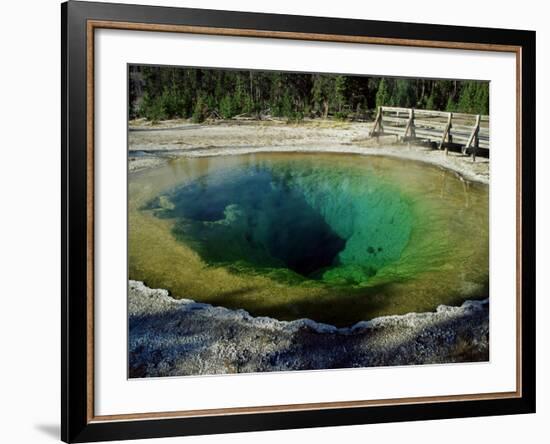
336	238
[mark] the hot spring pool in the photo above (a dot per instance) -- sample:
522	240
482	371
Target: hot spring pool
335	238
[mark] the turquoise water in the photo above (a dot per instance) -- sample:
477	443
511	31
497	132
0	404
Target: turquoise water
335	238
318	222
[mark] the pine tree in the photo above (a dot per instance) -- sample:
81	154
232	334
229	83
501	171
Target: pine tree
383	96
158	93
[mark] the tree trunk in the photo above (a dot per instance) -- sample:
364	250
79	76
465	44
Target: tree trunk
325	110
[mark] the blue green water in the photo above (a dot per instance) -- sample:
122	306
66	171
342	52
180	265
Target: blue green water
336	238
316	222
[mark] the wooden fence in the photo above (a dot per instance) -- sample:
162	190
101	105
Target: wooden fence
469	132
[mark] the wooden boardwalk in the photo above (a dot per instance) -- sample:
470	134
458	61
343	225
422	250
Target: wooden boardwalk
468	132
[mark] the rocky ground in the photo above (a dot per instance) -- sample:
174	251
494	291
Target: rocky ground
151	145
169	337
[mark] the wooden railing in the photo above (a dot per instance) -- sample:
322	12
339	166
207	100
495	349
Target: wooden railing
469	132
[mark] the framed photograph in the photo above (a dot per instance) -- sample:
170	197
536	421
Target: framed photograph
276	221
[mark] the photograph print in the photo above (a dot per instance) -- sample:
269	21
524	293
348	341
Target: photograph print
285	221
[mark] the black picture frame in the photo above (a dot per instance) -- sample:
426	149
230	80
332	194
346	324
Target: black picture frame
76	423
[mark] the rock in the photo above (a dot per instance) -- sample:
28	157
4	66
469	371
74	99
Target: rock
169	337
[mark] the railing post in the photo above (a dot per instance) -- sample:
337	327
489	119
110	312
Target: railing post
410	132
473	140
447	134
476	137
450	136
377	127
